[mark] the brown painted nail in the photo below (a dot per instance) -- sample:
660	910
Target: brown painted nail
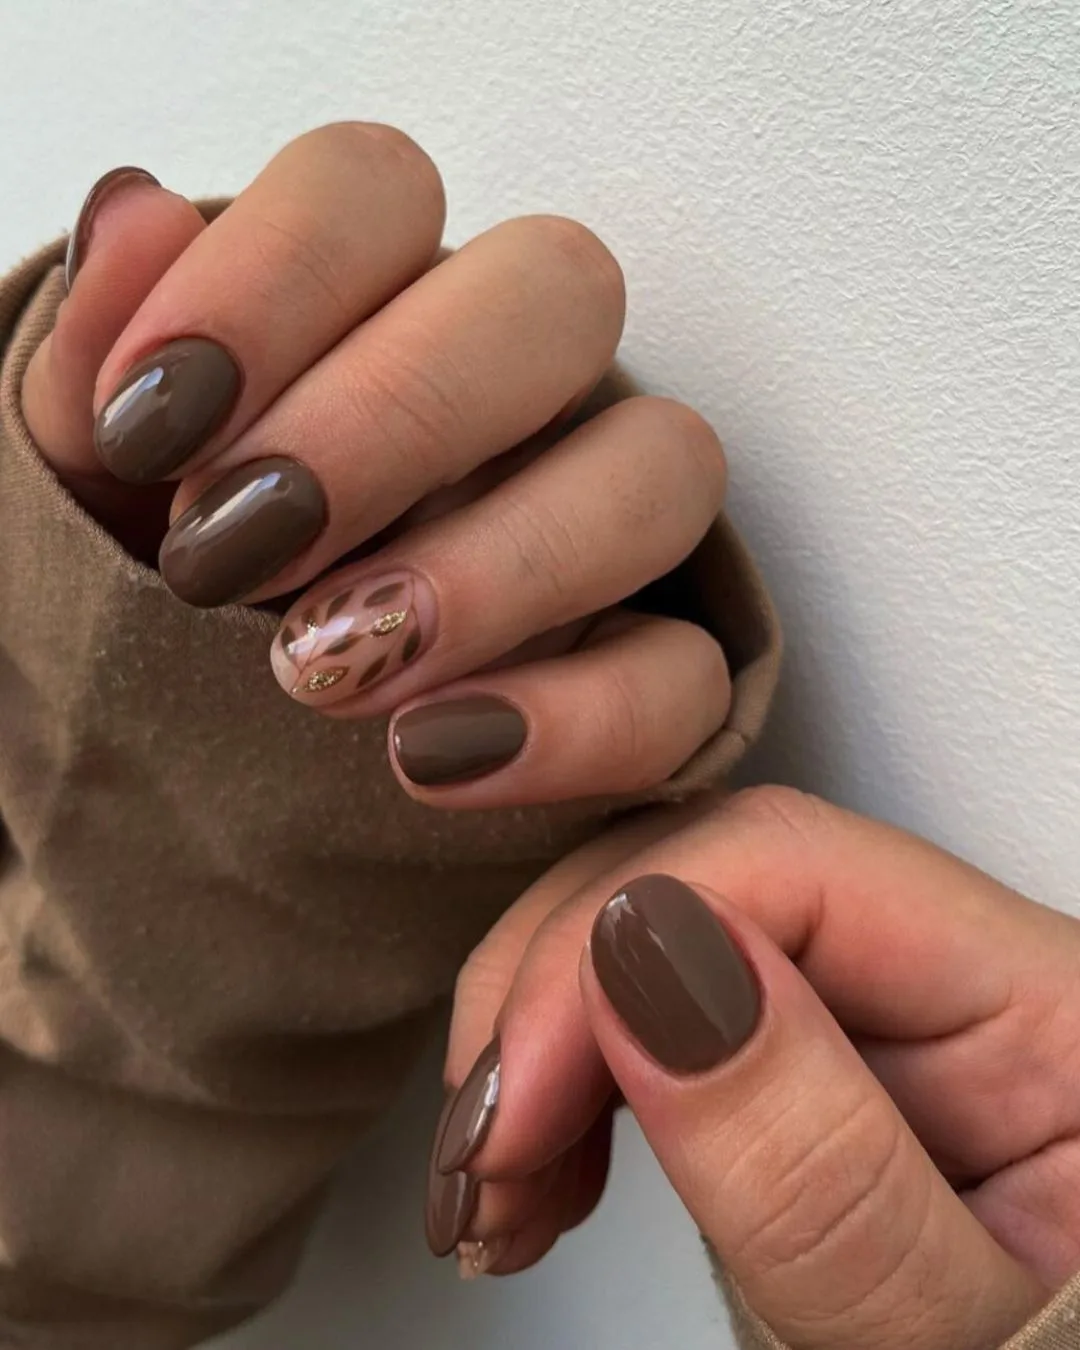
472	1109
242	531
167	407
451	1200
673	975
128	175
457	740
356	637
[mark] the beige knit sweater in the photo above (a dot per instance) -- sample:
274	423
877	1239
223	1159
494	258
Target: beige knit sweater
223	928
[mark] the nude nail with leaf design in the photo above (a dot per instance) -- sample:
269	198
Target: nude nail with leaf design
331	648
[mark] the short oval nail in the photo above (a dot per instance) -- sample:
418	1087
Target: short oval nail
116	180
677	981
451	1200
472	1111
242	531
348	640
166	408
458	740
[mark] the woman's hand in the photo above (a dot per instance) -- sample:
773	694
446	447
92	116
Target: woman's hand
309	380
855	1057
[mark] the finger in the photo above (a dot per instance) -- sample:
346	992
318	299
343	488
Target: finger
517	1251
500	1126
129	232
594	1164
336	224
546	547
605	719
788	1153
505	1207
581	1180
473	358
568	1201
458	1208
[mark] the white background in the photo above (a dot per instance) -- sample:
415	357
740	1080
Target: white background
852	237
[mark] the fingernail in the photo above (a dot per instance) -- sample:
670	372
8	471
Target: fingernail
357	637
128	175
166	408
676	979
457	740
477	1258
472	1109
451	1200
242	531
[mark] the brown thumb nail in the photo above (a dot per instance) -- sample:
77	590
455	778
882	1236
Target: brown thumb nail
674	976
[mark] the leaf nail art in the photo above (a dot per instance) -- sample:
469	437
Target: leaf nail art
348	642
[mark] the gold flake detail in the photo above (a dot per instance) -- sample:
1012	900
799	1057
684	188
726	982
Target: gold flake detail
389	622
319	680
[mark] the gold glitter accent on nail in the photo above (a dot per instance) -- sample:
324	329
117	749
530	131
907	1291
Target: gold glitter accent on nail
319	680
389	622
312	628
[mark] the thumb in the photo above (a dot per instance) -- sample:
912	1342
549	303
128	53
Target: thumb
786	1150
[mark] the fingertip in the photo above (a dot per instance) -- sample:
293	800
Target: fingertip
108	189
128	235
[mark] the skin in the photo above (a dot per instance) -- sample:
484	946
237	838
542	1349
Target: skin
893	1158
430	395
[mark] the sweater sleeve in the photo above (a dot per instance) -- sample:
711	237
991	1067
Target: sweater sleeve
223	928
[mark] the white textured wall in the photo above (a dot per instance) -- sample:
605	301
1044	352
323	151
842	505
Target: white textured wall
852	235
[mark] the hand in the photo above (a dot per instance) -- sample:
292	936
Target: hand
309	380
855	1057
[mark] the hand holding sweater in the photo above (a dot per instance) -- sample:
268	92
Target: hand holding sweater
308	402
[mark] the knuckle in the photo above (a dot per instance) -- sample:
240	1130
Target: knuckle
483	976
583	252
699	441
828	1195
407	156
287	243
623	732
693	455
795	813
711	666
415	404
367	143
547	556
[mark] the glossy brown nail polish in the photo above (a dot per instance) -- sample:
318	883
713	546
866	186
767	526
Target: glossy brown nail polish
242	531
472	1109
128	175
167	407
673	975
451	1200
458	740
